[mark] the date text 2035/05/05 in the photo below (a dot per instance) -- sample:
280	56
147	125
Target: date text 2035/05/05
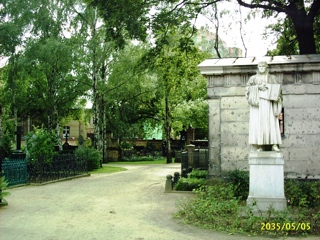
274	226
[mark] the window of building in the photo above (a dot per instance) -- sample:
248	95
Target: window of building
281	122
66	131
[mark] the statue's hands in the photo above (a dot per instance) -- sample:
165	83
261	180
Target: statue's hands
262	87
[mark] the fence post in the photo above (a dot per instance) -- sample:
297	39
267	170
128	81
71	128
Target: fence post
190	149
176	177
168	187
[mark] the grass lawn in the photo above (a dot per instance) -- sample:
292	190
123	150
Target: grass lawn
160	161
108	169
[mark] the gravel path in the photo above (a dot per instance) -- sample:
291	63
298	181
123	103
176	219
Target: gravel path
118	206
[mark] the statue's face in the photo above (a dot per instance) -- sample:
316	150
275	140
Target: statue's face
262	68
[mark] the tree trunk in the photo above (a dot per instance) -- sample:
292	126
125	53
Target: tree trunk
95	90
56	116
303	25
167	130
11	80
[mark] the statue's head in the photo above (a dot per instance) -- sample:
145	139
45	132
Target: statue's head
263	67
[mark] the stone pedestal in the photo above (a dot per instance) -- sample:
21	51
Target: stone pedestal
190	149
266	181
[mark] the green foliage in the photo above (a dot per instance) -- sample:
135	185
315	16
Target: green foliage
287	43
220	207
195	180
88	143
215	207
6	143
240	182
108	169
125	19
92	155
189	184
136	158
40	145
197	173
81	140
303	193
126	145
153	161
3	186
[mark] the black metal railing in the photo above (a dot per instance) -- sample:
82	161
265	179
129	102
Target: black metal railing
198	159
15	171
61	166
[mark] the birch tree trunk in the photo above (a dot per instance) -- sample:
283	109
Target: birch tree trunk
168	126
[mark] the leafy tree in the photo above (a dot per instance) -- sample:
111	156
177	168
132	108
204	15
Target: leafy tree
124	19
40	145
95	54
130	94
174	60
287	43
303	15
42	63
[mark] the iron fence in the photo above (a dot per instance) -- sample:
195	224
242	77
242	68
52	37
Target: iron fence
198	159
15	171
61	166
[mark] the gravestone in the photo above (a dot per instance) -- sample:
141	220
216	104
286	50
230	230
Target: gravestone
18	154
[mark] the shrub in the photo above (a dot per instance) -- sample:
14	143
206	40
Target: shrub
126	145
6	143
40	145
220	207
197	173
135	158
92	155
195	180
189	184
302	193
214	206
240	182
3	186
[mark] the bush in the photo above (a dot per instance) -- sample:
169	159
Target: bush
138	158
189	184
215	206
3	186
126	145
6	143
220	207
195	180
197	173
40	145
92	155
302	193
240	182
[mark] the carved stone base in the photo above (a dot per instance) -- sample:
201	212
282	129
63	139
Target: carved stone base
266	187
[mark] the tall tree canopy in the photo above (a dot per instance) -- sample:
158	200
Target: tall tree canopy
135	16
302	13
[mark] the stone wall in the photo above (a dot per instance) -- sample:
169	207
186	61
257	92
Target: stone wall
229	112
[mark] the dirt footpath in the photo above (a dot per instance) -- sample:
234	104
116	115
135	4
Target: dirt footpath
118	206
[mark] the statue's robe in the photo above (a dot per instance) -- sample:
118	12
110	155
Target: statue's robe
264	124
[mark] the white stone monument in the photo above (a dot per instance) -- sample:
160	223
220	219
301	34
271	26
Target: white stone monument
266	189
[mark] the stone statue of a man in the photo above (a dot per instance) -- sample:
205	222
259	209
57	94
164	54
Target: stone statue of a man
264	96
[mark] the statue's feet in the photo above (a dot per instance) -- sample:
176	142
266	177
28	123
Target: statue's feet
259	149
275	148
